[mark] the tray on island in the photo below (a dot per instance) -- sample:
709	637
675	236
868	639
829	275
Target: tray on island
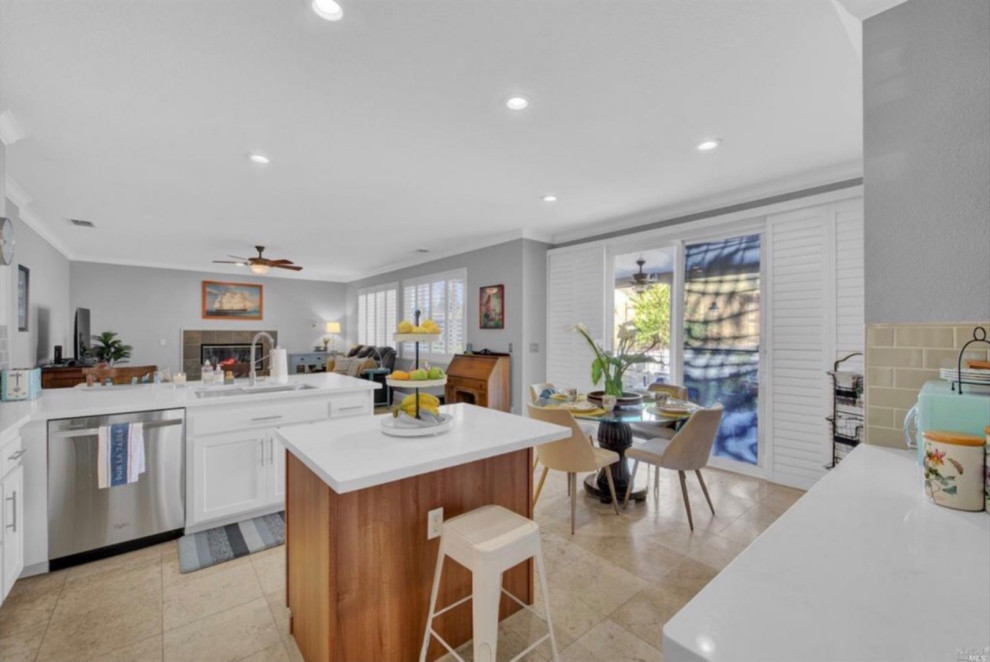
389	427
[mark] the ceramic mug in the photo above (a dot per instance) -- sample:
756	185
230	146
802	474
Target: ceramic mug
954	469
609	402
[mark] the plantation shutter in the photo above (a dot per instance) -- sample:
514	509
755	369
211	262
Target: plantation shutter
801	326
575	294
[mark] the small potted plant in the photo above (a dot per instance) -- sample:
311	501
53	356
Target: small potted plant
111	349
611	366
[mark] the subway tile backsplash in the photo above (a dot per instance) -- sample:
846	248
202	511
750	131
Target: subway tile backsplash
900	358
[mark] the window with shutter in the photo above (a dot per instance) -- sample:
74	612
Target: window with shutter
377	314
440	297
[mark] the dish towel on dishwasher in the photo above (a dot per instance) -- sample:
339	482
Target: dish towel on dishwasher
120	454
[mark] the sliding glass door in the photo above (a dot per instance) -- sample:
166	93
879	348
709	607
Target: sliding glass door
721	350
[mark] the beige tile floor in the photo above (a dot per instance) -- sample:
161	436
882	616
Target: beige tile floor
613	585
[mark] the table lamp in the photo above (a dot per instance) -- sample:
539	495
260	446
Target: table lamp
332	328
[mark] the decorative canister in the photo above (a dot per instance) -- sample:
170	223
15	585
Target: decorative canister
954	474
986	469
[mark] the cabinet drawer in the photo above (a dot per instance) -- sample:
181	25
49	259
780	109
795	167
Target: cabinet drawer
12	452
350	404
272	414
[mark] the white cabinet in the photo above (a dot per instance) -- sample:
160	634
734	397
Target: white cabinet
236	466
229	473
11	516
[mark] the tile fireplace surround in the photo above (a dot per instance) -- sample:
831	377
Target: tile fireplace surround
192	340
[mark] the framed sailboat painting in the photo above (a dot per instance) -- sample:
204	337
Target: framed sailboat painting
232	301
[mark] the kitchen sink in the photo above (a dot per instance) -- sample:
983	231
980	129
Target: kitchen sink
223	392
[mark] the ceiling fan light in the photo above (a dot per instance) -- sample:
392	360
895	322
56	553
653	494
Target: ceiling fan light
260	269
328	10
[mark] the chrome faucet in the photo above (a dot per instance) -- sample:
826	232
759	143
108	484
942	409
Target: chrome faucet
253	373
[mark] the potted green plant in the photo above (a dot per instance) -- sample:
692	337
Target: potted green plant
611	366
110	349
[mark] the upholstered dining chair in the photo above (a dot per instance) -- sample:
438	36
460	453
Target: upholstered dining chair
688	450
571	455
536	391
651	429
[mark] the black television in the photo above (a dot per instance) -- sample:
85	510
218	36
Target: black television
82	334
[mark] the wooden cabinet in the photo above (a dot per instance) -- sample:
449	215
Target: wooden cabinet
67	377
479	379
11	516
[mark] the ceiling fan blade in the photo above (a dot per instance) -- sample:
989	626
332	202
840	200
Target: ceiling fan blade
238	257
240	262
283	261
287	266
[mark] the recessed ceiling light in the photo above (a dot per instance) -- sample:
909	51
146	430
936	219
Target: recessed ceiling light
517	103
328	10
549	197
259	158
709	145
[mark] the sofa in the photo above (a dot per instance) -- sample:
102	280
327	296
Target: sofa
360	358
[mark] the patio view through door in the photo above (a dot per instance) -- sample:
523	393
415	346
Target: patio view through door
721	349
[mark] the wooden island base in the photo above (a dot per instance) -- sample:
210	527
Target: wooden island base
360	567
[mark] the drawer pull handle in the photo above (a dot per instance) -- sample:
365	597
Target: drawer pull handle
266	418
16	455
353	408
13	498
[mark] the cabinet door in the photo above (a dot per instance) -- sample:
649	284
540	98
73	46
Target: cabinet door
229	474
13	528
277	475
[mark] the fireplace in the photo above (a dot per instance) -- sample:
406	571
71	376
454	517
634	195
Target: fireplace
231	349
235	357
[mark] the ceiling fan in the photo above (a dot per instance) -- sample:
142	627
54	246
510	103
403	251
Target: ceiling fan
260	264
640	281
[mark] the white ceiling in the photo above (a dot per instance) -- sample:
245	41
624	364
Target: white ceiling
387	130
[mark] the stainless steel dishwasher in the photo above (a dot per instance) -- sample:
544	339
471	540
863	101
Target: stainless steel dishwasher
85	522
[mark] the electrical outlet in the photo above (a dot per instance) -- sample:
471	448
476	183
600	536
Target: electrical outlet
510	348
161	341
434	522
534	348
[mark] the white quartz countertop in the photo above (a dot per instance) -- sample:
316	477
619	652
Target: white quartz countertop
863	567
353	453
93	401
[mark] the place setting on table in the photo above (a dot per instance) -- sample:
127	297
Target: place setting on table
614	415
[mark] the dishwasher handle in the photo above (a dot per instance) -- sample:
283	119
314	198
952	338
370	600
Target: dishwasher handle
68	433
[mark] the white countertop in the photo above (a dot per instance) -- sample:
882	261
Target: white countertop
863	567
93	401
353	453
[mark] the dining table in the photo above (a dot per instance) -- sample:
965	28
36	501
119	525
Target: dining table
615	434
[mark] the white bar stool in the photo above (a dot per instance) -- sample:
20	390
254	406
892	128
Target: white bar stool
488	541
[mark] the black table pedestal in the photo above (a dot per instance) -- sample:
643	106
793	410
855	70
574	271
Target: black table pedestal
614	437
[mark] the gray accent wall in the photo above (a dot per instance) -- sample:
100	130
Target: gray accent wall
926	130
521	266
49	321
150	307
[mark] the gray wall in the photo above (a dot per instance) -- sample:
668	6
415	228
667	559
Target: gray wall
150	306
49	322
504	263
926	130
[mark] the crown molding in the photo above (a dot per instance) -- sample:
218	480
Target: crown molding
20	197
632	222
10	130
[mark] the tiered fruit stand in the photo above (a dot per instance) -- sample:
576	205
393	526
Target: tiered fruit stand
416	384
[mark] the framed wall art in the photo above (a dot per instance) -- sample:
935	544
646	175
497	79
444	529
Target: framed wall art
232	301
491	307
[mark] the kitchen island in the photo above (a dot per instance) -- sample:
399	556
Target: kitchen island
360	565
863	567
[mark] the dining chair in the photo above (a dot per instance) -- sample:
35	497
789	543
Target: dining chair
651	429
574	454
536	391
688	450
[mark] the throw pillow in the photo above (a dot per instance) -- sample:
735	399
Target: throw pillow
343	366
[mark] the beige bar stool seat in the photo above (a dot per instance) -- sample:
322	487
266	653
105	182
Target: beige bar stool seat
488	541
